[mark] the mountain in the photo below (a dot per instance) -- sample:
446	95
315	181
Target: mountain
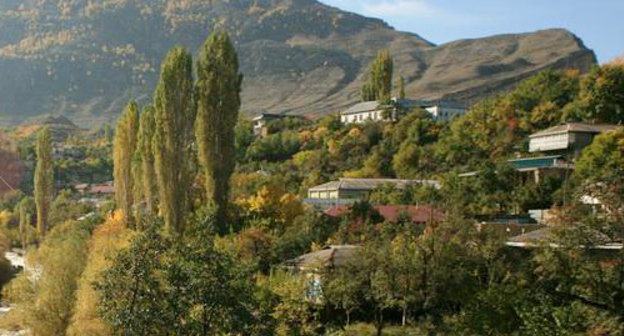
86	58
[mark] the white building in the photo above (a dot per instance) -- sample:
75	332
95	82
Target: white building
444	110
374	111
568	137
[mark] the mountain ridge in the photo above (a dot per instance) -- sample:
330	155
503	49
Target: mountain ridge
86	59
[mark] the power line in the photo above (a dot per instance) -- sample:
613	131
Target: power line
6	183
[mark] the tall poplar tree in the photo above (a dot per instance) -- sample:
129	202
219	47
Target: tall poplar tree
24	210
172	144
218	97
123	150
401	87
146	175
378	85
44	180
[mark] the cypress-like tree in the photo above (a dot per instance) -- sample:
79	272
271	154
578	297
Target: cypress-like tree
44	180
401	88
218	97
123	150
174	116
146	175
24	210
378	85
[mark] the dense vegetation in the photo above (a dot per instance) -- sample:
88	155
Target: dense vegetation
179	257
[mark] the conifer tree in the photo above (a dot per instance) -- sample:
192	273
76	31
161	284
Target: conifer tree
44	180
123	150
146	174
218	92
174	115
378	85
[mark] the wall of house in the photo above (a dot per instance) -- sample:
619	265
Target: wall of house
439	112
326	194
353	194
581	140
358	118
549	142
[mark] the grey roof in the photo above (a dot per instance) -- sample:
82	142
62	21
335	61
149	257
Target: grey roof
368	106
370	184
576	127
269	116
546	235
329	257
537	236
371	106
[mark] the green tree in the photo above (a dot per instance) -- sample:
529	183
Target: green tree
131	297
602	94
43	298
174	117
123	152
599	172
44	180
378	85
147	174
401	87
25	208
243	137
218	90
164	286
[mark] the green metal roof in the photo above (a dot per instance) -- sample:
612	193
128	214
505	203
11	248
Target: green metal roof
536	162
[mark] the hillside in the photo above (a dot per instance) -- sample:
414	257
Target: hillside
86	59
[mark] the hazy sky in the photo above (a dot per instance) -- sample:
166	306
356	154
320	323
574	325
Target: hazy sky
599	23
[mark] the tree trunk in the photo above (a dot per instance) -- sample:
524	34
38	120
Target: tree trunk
404	317
380	323
348	318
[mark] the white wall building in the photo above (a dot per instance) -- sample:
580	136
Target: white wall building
373	111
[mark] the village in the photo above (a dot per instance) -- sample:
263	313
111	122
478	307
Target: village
305	171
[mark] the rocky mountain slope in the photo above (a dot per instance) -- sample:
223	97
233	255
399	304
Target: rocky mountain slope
87	58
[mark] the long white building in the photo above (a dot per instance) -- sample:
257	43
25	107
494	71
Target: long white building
374	111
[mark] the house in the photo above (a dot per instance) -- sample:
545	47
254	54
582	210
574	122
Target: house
374	111
68	152
567	138
347	191
314	264
545	236
96	190
510	225
417	214
443	109
538	168
369	111
261	122
330	257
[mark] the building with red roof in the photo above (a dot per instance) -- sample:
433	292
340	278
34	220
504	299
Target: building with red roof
418	214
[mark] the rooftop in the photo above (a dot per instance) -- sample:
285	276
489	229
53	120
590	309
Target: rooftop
370	184
370	106
329	257
545	236
364	107
576	127
269	116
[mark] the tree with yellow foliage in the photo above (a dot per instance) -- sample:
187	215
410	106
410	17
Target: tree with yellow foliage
274	205
106	241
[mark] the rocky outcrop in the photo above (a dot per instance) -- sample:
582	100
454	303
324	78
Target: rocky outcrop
85	59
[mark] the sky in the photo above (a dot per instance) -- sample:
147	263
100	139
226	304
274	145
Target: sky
599	23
